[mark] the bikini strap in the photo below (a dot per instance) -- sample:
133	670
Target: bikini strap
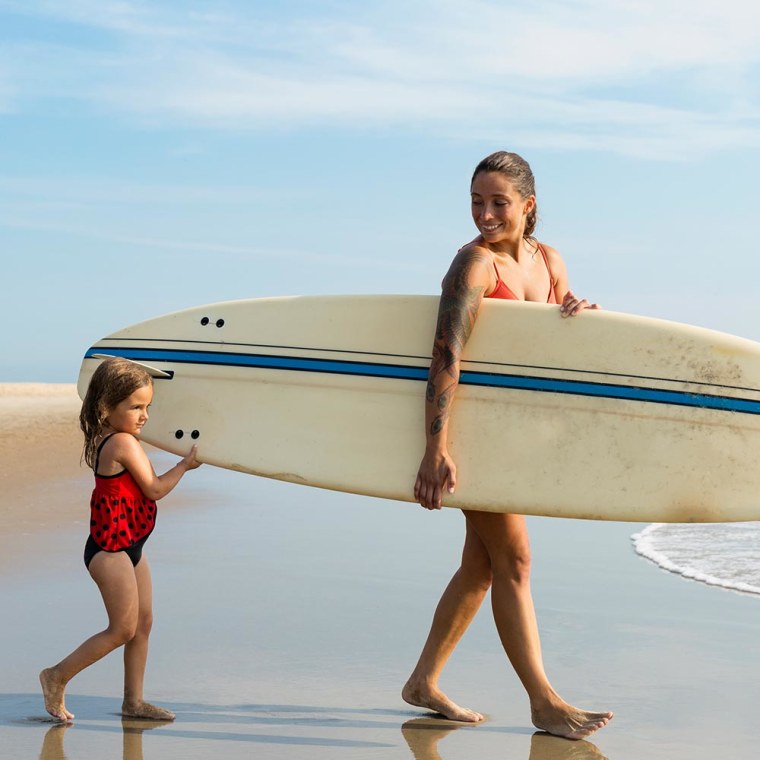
100	448
546	258
548	268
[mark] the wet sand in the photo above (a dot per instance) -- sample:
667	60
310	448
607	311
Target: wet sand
40	446
287	620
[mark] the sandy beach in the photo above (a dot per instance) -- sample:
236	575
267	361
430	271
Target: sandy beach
287	620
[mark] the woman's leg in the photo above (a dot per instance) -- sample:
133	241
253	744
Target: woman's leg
505	538
460	602
136	652
116	581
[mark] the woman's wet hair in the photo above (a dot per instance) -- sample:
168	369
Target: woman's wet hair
517	170
114	380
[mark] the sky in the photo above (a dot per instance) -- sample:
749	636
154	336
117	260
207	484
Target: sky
161	155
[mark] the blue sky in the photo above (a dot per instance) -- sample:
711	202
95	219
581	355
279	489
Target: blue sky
161	155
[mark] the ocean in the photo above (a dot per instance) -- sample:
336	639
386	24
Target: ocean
719	554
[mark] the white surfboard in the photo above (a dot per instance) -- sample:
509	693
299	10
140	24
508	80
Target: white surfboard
602	416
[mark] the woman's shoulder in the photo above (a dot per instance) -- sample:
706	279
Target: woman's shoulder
474	253
475	245
473	264
553	257
549	250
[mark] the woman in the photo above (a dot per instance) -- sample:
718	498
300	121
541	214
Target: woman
504	261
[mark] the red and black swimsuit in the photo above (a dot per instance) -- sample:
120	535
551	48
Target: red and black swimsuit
121	516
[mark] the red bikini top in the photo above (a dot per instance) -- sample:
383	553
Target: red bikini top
502	290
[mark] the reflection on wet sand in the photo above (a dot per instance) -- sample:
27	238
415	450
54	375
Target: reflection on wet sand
423	734
52	744
132	731
547	747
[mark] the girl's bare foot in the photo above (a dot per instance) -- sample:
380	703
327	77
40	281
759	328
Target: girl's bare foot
52	691
561	719
146	711
437	701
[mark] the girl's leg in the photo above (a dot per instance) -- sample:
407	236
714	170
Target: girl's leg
505	538
115	577
136	653
456	609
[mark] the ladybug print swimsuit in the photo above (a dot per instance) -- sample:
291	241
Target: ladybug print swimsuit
121	517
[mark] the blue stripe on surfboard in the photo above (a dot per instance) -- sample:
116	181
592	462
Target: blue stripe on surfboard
402	372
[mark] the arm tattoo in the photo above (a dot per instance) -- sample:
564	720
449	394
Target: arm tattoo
457	312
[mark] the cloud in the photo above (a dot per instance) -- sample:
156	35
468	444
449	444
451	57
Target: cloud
82	192
84	209
180	248
655	78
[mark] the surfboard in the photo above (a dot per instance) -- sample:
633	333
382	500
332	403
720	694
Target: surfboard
603	416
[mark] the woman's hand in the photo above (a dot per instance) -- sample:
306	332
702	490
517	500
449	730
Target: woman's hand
572	305
437	471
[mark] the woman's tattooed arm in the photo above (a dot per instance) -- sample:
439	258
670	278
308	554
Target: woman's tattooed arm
458	309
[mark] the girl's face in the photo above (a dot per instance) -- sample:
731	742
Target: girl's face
498	210
130	415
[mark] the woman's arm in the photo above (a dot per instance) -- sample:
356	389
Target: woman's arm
464	286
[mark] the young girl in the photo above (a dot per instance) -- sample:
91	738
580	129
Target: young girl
123	514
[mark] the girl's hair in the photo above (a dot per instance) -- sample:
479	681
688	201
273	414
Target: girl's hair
517	170
114	380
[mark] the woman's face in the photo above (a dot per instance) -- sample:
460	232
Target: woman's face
498	210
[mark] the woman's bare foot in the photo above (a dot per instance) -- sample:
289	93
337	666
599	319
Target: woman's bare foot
53	687
558	718
146	711
437	701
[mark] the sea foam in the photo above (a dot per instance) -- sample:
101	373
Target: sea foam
719	554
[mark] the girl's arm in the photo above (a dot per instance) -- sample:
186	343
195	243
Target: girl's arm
468	279
127	451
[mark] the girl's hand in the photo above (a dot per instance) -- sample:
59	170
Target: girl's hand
190	462
437	471
572	305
